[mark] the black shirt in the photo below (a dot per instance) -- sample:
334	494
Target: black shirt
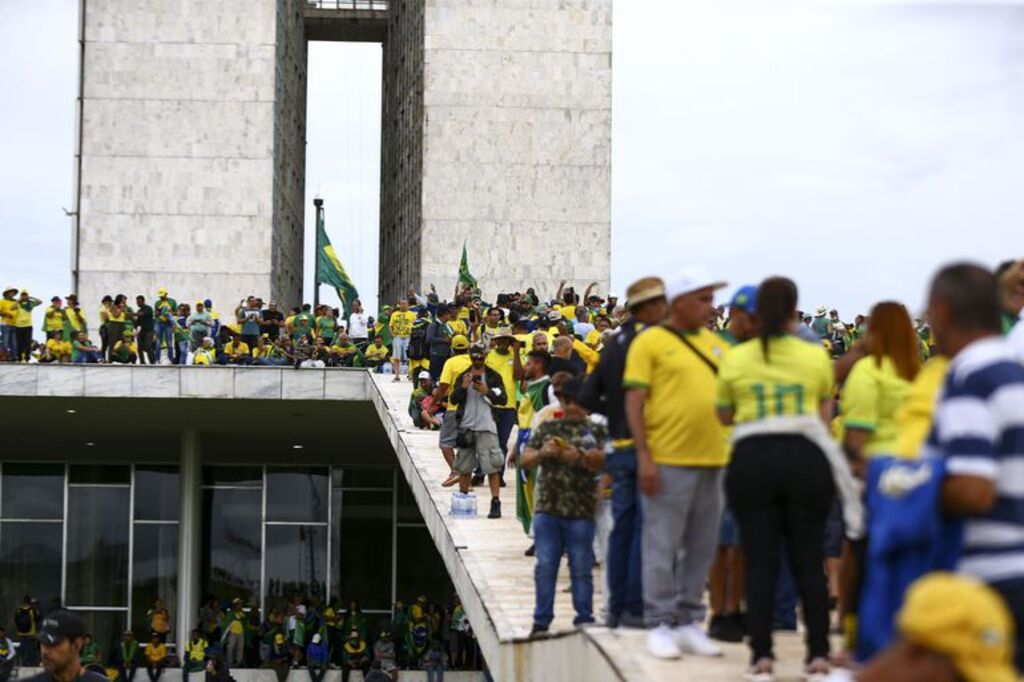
85	676
144	317
271	330
602	391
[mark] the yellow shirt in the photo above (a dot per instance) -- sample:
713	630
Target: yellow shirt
232	348
155	654
795	380
913	417
58	348
589	355
869	401
23	317
203	357
568	312
594	339
76	319
401	323
453	367
8	311
505	366
374	353
682	426
459	327
53	320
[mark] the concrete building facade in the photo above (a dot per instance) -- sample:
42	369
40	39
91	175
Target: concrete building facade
191	162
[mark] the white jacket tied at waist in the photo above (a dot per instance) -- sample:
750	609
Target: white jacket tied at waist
813	429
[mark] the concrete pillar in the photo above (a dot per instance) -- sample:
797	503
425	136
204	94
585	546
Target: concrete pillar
190	527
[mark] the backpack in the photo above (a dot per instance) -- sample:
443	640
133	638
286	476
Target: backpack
418	342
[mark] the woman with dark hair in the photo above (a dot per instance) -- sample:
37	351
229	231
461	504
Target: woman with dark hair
778	390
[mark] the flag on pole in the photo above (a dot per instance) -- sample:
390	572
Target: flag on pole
464	276
329	269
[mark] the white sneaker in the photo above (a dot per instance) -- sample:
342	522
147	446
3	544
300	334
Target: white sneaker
661	643
691	640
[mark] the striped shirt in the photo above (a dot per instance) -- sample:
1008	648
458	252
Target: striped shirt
979	429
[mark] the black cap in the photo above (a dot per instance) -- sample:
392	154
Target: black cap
60	625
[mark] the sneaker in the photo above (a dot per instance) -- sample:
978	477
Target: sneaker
725	627
691	640
538	631
816	671
762	671
495	512
661	643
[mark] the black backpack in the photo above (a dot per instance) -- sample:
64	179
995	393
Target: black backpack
418	343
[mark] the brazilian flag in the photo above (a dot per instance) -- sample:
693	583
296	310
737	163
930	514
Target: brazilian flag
464	276
329	269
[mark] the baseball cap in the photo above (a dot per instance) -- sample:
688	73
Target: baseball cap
423	375
689	280
503	333
555	316
6	289
59	626
745	299
55	298
460	342
161	292
965	621
476	350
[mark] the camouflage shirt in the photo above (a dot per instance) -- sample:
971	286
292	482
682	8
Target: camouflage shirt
567	490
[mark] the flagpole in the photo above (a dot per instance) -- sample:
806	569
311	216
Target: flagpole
319	204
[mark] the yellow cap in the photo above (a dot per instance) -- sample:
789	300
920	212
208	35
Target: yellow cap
963	620
460	342
161	292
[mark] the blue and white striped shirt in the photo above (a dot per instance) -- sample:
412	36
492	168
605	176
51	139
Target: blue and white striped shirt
979	429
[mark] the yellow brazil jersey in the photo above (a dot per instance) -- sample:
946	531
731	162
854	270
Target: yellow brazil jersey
235	347
593	339
24	316
59	348
459	327
115	315
869	400
401	323
504	364
374	353
682	426
53	320
8	312
590	356
568	312
453	367
914	416
795	380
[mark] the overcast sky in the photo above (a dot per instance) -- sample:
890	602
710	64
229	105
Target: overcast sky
851	146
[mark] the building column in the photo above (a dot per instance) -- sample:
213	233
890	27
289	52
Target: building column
189	535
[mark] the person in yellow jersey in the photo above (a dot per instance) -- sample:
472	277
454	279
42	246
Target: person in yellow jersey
376	354
681	455
205	354
60	350
400	324
504	359
878	384
54	317
454	366
780	483
23	324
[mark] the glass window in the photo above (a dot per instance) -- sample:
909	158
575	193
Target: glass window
297	494
232	536
363	563
420	568
157	491
99	473
233	475
106	628
296	559
154	573
98	525
30	556
33	491
362	478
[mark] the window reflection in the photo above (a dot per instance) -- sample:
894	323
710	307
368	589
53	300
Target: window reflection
97	559
297	494
364	548
157	493
296	559
32	491
154	573
30	555
231	543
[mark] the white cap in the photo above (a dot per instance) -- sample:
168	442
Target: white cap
316	638
423	375
692	279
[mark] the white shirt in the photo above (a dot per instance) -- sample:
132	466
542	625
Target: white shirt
357	326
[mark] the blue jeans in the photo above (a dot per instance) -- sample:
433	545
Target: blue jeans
625	585
182	356
554	535
90	357
434	672
164	332
7	341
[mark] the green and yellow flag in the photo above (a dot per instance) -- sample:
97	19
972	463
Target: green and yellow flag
329	269
464	276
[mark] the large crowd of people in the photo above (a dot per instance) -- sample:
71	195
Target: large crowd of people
754	458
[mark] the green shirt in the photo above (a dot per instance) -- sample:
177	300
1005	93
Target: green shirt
90	653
